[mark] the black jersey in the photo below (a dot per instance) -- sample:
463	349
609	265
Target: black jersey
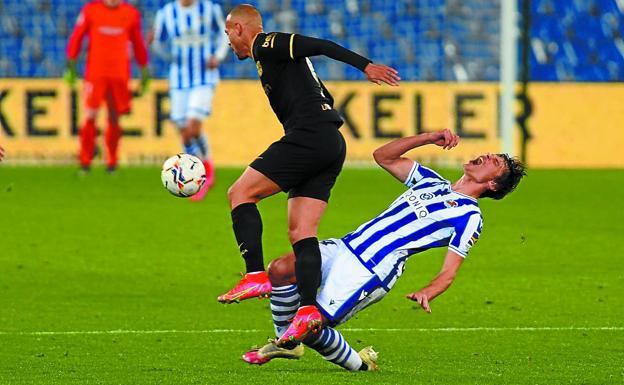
297	95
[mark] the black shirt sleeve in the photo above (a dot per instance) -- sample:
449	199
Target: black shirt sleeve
283	46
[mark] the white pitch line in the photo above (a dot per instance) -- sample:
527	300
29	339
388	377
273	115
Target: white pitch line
493	329
388	330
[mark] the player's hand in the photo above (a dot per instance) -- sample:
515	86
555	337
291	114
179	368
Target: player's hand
145	81
422	299
1	153
379	73
212	63
444	138
71	74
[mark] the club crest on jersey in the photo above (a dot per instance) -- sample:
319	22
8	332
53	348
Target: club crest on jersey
450	203
259	68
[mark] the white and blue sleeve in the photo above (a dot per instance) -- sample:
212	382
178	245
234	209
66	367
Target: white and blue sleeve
466	234
161	35
420	173
221	43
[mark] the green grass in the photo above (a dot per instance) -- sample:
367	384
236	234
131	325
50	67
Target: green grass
105	253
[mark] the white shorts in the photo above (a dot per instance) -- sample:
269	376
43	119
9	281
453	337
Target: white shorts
347	286
191	103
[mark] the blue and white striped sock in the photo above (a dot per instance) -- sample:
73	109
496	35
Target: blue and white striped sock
202	145
334	348
284	305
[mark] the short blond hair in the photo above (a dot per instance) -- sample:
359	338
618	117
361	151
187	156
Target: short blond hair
247	13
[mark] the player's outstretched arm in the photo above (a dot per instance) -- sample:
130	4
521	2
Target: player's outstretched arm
304	46
390	155
379	73
440	283
283	46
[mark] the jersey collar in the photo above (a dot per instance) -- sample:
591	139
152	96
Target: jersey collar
253	41
464	195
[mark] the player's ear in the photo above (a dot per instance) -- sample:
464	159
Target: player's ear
492	185
238	27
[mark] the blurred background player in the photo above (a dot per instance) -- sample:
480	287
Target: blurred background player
110	26
194	31
1	153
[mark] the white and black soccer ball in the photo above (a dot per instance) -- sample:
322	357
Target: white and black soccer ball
183	175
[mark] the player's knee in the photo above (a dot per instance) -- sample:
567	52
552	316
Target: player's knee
186	135
231	193
293	235
194	127
299	232
282	271
237	194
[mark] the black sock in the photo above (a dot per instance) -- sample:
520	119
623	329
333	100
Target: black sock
247	226
364	367
308	269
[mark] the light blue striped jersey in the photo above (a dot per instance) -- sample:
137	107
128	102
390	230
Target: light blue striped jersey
429	214
194	34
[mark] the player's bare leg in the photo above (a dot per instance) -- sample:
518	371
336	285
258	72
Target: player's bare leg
112	135
248	190
88	132
304	216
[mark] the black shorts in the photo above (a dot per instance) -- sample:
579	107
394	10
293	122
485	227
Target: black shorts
305	162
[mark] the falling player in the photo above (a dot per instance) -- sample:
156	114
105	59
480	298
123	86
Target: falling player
197	45
305	162
360	268
110	26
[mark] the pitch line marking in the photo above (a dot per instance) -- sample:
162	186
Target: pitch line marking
388	330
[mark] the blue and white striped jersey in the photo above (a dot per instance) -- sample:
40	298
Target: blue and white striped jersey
429	214
194	34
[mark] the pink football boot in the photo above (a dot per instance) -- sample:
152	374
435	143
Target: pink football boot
308	319
252	285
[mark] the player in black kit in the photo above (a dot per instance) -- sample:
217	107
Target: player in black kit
305	162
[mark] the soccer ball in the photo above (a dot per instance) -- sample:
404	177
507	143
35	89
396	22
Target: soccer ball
183	175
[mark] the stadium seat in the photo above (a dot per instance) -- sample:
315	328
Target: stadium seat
426	39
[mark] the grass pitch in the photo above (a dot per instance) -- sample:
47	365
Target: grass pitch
111	280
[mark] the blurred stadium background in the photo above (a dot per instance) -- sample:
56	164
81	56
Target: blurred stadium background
447	51
107	279
426	40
